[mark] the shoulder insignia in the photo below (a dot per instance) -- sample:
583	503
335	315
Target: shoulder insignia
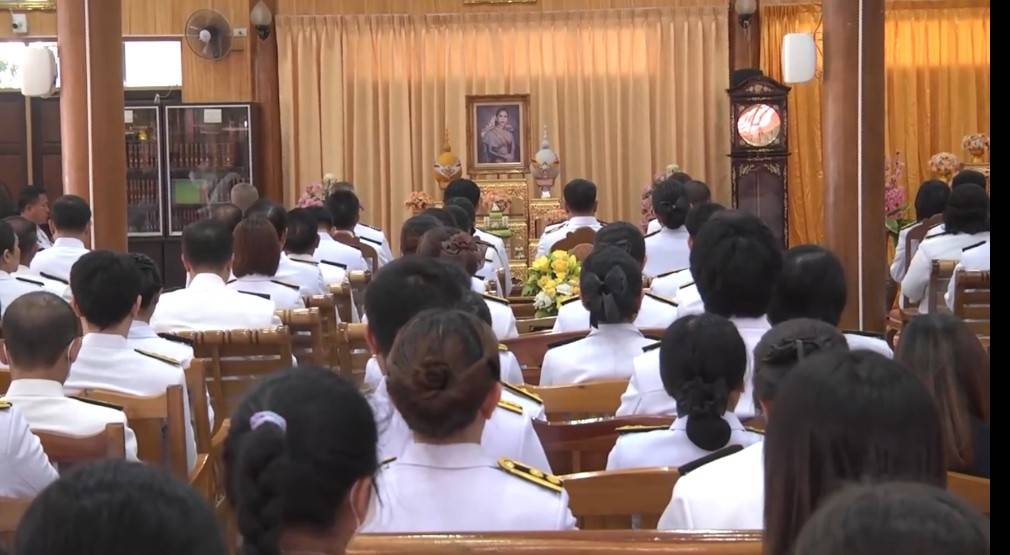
685	468
54	278
332	263
523	392
157	356
862	333
968	248
510	406
372	227
31	281
686	285
935	235
754	430
370	240
231	281
260	295
177	339
661	298
531	474
564	342
285	284
387	461
651	347
908	225
554	227
300	261
566	301
503	348
5	404
97	402
671	272
495	299
635	428
647	235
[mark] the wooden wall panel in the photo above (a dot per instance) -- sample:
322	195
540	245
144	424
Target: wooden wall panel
290	7
13	147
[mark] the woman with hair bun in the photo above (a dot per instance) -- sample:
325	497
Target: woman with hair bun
667	250
702	363
443	373
611	285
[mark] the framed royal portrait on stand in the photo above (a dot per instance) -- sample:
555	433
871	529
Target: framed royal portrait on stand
498	134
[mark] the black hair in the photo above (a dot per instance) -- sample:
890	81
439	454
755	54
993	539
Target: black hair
931	199
786	345
227	213
624	236
735	261
580	195
37	328
468	208
114	507
296	472
405	287
322	215
474	303
275	213
29	195
207	243
968	176
699	215
702	360
682	177
611	285
345	208
455	246
459	216
440	369
443	216
811	285
697	192
150	278
8	239
303	236
967	210
413	229
841	417
105	286
25	229
670	203
71	213
462	187
897	518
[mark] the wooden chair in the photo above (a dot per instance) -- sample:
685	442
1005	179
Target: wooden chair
353	351
328	319
148	416
530	348
972	489
939	277
238	358
67	451
523	310
917	234
620	499
583	445
972	302
306	328
367	251
530	325
575	542
342	298
584	400
12	510
358	281
576	242
196	385
5	380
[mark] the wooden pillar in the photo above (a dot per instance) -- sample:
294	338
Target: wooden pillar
90	41
744	41
267	97
853	152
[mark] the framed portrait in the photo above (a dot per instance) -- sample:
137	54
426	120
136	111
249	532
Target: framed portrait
497	133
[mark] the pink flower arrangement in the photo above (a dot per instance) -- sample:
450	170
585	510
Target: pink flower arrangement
895	204
975	144
315	193
418	201
944	164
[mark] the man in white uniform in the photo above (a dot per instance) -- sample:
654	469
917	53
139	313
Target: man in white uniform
300	243
288	271
71	225
142	336
11	286
930	200
33	205
367	233
469	190
28	245
26	469
580	204
345	211
329	249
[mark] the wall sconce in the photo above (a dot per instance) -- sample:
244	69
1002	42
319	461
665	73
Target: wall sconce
261	18
745	10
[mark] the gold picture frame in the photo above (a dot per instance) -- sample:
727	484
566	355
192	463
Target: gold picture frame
28	5
496	142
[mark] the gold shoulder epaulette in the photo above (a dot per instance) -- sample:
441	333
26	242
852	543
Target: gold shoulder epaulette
495	299
523	392
4	404
285	284
531	474
162	358
510	406
635	428
661	298
754	430
502	348
570	299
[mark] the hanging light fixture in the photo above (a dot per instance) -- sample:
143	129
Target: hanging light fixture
261	18
745	10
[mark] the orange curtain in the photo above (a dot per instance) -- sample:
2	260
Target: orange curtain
623	92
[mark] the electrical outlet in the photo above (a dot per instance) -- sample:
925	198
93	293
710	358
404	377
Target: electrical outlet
19	23
240	32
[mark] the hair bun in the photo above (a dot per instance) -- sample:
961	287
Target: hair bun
432	375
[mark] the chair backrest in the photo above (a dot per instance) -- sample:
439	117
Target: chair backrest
238	358
939	277
353	351
522	307
530	348
575	542
196	385
5	380
584	400
972	489
583	445
367	252
342	297
617	499
581	236
916	234
12	510
531	325
327	305
147	417
67	450
359	281
972	302
306	328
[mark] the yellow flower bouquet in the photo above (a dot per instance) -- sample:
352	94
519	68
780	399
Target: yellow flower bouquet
552	280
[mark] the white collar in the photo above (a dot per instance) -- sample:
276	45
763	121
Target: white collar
141	330
69	242
324	236
302	257
613	329
206	281
34	387
759	323
680	423
98	340
583	220
446	455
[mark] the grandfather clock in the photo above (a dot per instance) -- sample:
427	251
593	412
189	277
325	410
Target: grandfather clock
760	150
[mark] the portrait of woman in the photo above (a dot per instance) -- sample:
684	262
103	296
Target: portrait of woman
497	133
498	144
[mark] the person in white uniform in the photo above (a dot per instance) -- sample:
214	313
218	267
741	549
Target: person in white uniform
465	216
207	303
735	261
966	223
667	249
303	440
106	295
226	213
413	229
257	253
27	232
71	225
465	188
345	211
331	251
300	243
702	363
701	192
33	205
41	341
511	372
812	285
243	195
973	258
728	494
656	311
679	284
12	286
580	204
27	470
930	200
288	271
611	284
373	235
443	378
402	289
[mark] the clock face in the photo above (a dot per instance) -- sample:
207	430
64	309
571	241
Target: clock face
759	125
